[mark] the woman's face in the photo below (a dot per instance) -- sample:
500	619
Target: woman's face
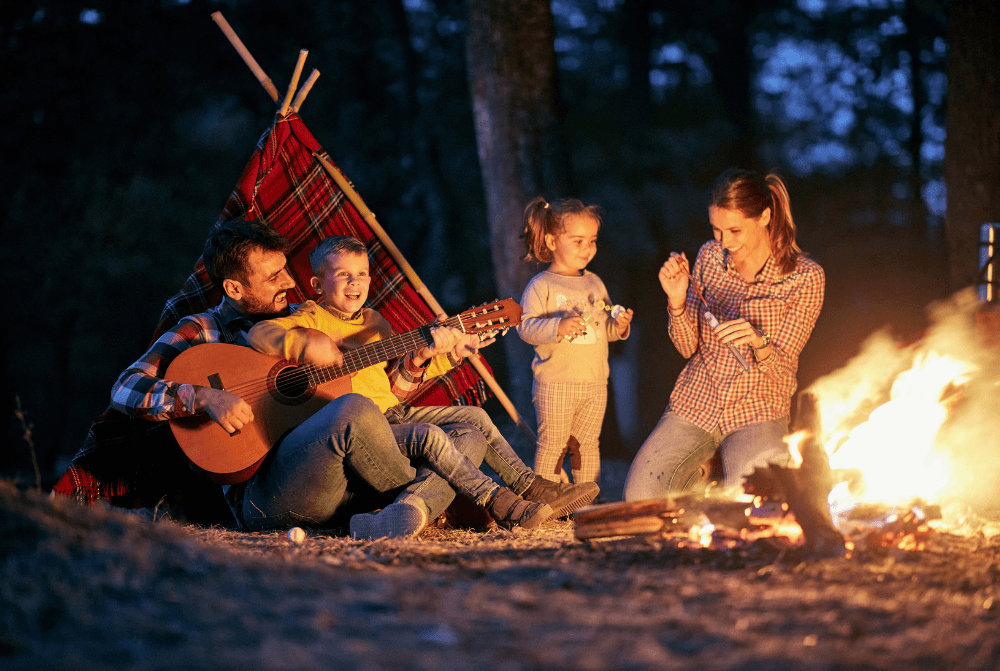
744	238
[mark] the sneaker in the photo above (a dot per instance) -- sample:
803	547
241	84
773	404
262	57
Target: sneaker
396	520
563	497
509	510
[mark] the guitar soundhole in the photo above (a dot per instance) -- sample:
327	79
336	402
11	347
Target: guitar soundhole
289	384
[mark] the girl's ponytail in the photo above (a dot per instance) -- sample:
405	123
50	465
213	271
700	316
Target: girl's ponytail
538	220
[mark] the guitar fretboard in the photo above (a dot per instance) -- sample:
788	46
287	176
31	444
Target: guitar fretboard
377	352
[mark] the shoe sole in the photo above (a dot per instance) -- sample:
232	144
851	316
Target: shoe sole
396	520
577	503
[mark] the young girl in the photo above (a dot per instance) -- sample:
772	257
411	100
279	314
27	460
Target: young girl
568	318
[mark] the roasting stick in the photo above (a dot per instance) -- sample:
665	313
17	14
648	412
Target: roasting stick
714	322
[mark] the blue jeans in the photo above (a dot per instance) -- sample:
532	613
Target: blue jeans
668	462
497	452
314	472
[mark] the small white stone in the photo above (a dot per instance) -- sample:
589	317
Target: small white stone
297	535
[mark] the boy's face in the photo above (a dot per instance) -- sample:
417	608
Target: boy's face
343	281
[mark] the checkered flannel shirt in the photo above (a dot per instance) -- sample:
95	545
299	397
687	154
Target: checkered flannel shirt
142	392
713	389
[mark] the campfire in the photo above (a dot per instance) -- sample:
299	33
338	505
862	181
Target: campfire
886	452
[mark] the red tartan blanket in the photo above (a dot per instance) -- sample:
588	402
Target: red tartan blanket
284	185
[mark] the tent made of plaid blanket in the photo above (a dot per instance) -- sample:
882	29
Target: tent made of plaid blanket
134	463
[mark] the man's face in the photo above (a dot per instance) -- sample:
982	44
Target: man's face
344	281
266	292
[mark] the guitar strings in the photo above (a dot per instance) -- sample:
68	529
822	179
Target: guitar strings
303	375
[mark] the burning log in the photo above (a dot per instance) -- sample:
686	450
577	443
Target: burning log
784	495
804	489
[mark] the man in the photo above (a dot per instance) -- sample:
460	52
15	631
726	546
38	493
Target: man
343	451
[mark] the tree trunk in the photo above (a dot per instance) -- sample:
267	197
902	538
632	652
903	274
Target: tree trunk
512	77
918	212
972	146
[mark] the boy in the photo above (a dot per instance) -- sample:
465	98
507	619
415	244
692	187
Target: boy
316	333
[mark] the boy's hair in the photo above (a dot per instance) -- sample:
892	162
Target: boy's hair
335	244
542	218
227	250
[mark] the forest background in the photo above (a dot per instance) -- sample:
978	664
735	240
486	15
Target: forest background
129	123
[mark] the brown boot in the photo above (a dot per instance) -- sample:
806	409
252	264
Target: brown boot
509	510
562	497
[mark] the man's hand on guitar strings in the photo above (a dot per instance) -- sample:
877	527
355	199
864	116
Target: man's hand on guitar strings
227	410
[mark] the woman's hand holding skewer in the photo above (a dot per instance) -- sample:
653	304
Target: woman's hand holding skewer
739	332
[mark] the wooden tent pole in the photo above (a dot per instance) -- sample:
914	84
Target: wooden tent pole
294	83
420	287
237	43
304	91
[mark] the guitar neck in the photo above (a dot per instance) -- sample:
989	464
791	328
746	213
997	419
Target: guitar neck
377	352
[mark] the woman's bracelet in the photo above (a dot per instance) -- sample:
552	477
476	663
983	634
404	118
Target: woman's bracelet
679	312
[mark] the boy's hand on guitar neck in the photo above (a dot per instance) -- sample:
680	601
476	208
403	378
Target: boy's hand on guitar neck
469	345
227	410
446	339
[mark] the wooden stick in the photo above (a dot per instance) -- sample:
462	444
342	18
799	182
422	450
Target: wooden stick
264	80
420	287
294	83
304	91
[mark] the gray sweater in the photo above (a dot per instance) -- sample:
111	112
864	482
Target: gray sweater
549	298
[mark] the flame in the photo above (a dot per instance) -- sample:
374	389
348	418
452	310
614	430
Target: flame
896	449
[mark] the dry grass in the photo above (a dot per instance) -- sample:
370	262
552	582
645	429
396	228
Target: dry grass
96	588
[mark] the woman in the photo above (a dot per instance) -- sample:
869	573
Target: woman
735	392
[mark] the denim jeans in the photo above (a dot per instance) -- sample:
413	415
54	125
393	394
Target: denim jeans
307	478
668	462
497	452
471	432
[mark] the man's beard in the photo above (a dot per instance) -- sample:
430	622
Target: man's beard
258	309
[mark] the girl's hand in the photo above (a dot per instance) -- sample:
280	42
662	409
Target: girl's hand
571	327
674	278
622	321
739	332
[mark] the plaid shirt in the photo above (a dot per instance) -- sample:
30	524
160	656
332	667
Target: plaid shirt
713	390
142	392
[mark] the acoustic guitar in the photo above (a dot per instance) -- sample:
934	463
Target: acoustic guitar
284	393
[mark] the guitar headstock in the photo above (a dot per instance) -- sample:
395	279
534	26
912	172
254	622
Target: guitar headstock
489	319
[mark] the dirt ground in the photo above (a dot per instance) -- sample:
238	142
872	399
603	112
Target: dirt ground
100	588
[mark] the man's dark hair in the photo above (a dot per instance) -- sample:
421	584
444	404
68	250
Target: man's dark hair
227	250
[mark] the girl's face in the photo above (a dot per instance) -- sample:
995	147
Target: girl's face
745	239
575	246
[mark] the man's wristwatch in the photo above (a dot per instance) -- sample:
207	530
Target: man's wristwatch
767	340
